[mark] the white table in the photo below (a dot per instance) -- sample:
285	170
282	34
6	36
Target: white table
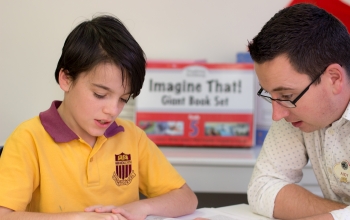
223	170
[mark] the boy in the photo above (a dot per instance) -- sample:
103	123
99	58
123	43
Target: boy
77	160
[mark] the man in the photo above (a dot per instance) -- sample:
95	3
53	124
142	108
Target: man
302	61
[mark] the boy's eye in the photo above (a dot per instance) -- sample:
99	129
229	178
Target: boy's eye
124	100
99	96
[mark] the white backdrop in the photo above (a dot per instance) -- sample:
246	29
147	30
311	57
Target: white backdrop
32	34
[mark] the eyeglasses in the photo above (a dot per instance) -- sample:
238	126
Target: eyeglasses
288	103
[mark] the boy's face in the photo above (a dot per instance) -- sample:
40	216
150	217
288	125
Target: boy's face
315	109
94	101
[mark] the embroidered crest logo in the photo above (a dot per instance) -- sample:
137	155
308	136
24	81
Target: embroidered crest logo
123	173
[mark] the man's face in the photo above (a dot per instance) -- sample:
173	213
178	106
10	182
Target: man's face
314	109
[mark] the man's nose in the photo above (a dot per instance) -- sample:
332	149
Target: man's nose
278	111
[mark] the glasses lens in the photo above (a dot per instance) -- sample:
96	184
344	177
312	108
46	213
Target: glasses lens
264	93
266	98
286	103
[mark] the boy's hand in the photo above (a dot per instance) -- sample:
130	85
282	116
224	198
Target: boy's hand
100	208
121	212
101	216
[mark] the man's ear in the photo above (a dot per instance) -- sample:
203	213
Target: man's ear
336	75
64	80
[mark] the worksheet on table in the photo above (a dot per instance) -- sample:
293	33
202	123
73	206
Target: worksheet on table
212	214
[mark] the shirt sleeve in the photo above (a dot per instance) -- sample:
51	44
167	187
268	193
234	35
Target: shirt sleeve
341	214
280	162
19	171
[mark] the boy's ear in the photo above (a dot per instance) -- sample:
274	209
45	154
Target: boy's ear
64	80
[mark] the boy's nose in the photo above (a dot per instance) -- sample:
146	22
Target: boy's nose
111	108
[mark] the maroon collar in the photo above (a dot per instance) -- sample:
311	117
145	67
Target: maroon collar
60	132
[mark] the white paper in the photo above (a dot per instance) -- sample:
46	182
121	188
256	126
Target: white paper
208	213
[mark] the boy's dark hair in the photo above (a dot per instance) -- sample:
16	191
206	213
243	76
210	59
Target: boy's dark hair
103	39
311	38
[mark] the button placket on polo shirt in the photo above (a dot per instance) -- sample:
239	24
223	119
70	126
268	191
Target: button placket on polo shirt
93	173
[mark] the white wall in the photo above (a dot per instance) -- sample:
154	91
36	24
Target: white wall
32	33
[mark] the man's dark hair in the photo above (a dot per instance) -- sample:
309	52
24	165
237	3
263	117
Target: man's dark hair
103	39
309	36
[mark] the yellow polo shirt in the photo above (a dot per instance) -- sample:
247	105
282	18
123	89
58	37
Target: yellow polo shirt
46	167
